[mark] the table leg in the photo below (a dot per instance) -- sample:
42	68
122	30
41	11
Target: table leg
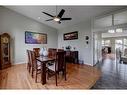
43	73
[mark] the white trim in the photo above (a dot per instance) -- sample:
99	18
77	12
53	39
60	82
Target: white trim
19	63
88	64
119	10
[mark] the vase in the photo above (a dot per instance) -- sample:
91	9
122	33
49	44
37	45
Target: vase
41	51
45	53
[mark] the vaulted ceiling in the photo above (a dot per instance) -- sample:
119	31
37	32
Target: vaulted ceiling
77	13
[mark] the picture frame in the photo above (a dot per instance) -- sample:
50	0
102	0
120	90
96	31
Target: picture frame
71	35
35	38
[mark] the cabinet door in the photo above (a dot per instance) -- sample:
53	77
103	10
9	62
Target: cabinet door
5	50
5	53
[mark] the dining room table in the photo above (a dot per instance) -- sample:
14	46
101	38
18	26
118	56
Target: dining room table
44	61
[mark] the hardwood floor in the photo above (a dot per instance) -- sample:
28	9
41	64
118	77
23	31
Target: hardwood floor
78	77
114	74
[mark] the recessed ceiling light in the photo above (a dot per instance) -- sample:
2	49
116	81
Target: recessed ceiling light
111	31
119	30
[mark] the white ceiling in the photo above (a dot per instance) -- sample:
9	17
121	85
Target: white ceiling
77	13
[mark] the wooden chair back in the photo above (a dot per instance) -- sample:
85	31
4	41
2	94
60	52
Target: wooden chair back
35	65
52	52
49	52
29	60
33	59
28	55
60	65
60	61
36	50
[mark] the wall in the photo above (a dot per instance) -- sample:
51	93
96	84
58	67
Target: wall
85	51
16	24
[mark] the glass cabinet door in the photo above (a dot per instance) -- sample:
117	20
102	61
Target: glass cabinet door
5	49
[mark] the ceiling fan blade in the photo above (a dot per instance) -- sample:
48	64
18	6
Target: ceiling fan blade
65	18
49	20
48	14
61	13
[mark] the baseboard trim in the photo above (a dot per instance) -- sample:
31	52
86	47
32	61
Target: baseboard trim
88	64
19	63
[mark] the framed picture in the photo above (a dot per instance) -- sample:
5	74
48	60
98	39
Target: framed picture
71	35
35	38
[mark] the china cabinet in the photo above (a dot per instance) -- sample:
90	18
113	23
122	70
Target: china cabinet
5	51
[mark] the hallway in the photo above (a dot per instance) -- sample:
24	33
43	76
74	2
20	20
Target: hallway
114	74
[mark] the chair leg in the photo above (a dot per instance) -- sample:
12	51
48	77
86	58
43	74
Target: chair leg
65	76
29	68
56	78
48	74
36	77
32	72
64	72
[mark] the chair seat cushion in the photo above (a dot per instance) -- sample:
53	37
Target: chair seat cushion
51	67
38	65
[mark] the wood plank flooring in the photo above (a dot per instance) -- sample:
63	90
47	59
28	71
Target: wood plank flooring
114	74
78	77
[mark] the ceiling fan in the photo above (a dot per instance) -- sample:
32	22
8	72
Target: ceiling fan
58	18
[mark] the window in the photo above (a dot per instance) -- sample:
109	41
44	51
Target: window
111	31
119	30
105	42
119	44
125	43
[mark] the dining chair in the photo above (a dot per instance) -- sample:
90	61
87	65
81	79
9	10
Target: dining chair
36	50
29	61
58	66
36	65
51	53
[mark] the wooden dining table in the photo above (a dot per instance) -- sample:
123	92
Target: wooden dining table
44	61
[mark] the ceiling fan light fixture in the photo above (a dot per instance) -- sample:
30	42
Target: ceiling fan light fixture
56	19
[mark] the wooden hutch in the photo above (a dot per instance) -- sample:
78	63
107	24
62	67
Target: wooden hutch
5	51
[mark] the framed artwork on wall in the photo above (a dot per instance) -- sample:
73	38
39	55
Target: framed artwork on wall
71	35
35	38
